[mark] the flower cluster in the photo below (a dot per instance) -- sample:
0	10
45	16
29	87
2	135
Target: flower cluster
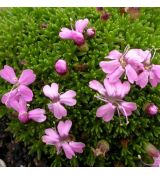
77	35
20	94
135	64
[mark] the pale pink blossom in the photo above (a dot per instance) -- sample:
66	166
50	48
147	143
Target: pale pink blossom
149	72
61	139
37	115
58	100
77	34
20	86
127	63
112	94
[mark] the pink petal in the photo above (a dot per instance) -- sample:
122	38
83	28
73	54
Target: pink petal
64	128
68	150
65	33
123	89
67	98
8	74
72	35
156	162
153	79
81	25
9	97
110	87
96	85
109	66
52	91
19	105
114	55
77	146
116	75
142	79
51	137
156	70
138	55
27	77
58	110
25	92
38	115
131	74
106	112
127	108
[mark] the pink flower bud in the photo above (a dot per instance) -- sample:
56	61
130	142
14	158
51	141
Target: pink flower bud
23	118
61	67
91	32
151	109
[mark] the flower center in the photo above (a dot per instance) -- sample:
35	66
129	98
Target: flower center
147	67
123	62
56	99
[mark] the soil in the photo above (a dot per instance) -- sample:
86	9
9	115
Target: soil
14	153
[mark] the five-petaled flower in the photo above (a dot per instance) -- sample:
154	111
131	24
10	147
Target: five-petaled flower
62	140
20	86
122	63
57	100
112	94
77	34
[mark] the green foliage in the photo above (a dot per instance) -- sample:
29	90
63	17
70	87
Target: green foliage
25	43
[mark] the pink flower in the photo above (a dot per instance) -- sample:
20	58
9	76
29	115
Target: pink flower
20	88
120	64
149	73
62	140
112	94
61	67
77	34
37	115
56	106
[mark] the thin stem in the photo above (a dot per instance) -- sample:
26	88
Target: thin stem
119	117
71	23
144	162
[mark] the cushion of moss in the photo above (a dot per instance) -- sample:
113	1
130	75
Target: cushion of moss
26	43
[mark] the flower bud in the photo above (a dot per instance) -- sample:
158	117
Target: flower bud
23	118
101	149
61	67
152	151
91	32
99	9
105	16
151	109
